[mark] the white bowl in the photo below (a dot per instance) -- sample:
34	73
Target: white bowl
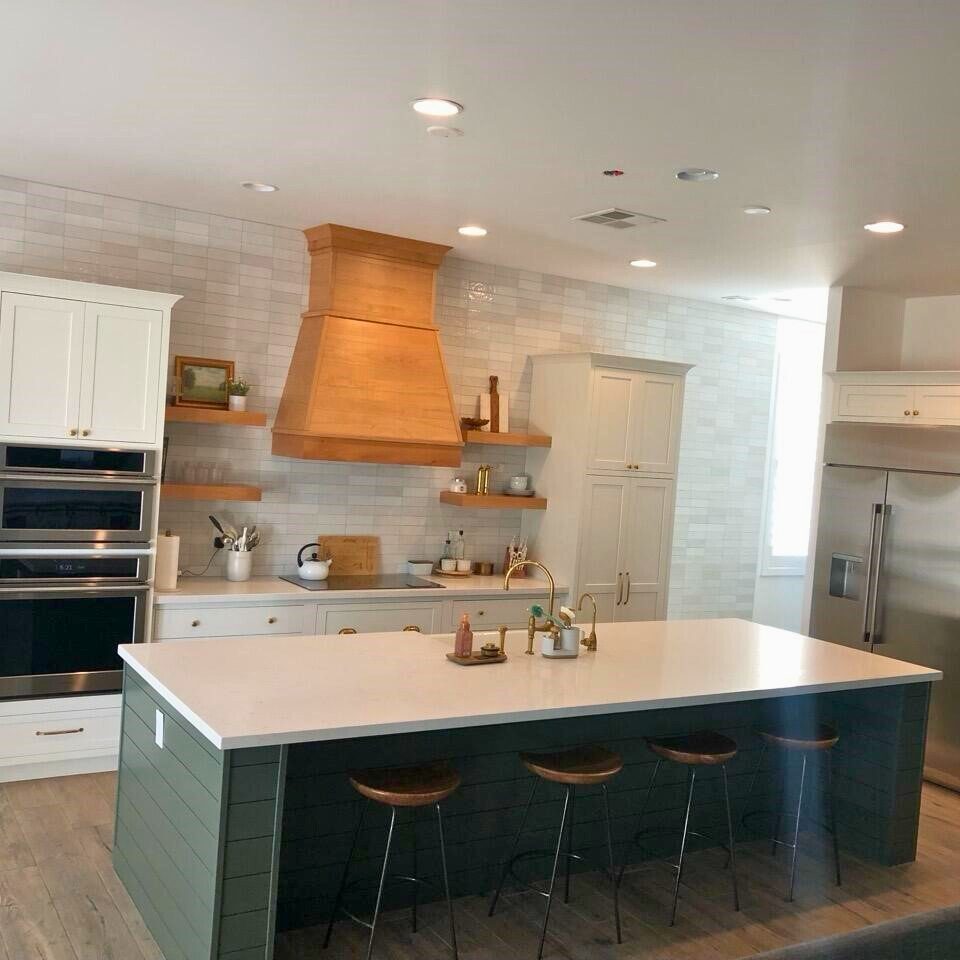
420	568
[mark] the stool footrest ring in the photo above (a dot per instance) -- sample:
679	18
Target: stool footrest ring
528	855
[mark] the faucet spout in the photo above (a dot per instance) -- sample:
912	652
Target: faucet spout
532	563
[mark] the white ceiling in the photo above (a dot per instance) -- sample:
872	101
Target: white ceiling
832	112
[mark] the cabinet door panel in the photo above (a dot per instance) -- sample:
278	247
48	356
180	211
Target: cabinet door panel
646	559
381	618
875	402
937	404
611	419
41	342
657	424
601	543
119	400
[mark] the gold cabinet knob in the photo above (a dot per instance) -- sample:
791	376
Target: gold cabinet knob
194	623
916	413
346	630
73	432
412	628
906	413
84	433
271	619
480	613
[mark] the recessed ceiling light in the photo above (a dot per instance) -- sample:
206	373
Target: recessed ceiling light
737	298
756	210
643	263
438	130
884	226
696	174
434	107
472	231
259	187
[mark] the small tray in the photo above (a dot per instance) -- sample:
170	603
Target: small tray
451	573
476	659
507	492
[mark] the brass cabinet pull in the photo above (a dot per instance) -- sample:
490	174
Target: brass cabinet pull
906	413
412	628
480	613
627	600
916	413
346	630
73	432
84	433
58	733
194	623
271	619
619	588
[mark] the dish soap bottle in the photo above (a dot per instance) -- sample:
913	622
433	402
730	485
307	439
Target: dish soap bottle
463	646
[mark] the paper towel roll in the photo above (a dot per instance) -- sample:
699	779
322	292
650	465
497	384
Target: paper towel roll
168	558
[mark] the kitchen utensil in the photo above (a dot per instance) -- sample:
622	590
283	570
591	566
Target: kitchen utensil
352	555
313	568
216	524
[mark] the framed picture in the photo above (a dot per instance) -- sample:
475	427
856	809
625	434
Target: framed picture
202	382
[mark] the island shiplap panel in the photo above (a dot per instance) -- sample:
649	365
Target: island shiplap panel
244	286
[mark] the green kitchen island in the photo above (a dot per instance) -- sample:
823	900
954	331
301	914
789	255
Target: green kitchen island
234	814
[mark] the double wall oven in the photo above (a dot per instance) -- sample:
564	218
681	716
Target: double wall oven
74	565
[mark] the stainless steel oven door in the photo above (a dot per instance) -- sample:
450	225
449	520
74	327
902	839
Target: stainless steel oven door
76	510
56	641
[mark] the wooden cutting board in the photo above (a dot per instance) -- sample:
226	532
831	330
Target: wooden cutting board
352	556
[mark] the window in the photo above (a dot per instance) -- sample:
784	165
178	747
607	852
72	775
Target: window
794	423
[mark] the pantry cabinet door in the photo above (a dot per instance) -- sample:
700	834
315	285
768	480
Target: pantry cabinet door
656	423
41	352
646	564
612	415
602	544
120	394
875	403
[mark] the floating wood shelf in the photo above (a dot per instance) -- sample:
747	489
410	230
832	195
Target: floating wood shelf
492	501
209	491
507	439
238	418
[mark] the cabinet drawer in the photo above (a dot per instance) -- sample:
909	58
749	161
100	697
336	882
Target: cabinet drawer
490	614
184	623
48	735
382	618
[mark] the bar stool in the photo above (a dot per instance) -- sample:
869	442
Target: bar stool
818	741
581	766
419	786
704	749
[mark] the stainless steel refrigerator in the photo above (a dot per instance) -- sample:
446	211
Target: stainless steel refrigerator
887	568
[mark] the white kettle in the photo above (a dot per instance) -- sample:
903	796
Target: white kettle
313	568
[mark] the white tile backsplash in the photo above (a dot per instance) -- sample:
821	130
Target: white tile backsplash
244	285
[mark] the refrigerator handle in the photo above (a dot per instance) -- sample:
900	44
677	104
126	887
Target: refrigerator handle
875	604
875	510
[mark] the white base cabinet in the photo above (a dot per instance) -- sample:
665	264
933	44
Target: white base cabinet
58	736
82	362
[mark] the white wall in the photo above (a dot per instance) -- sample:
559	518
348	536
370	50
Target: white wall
778	602
931	334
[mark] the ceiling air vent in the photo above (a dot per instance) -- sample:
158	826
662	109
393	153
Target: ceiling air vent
619	219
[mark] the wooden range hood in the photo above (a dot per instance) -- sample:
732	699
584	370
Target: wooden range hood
367	380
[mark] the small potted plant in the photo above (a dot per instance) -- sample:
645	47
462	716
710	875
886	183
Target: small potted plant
237	391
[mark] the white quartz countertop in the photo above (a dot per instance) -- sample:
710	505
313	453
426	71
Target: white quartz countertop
255	691
274	590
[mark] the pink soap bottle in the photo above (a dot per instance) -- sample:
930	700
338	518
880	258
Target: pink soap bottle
463	646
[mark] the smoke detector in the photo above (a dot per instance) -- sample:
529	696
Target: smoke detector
619	219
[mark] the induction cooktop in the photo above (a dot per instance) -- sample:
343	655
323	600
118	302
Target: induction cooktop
376	581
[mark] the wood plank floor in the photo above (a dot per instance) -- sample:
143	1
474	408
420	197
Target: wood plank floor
60	899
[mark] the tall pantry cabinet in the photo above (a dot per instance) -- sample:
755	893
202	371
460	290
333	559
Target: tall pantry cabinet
610	477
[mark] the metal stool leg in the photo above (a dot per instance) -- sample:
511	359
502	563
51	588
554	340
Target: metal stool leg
774	840
446	883
343	879
513	848
731	856
692	777
643	810
383	880
416	872
569	856
553	873
613	875
833	816
796	830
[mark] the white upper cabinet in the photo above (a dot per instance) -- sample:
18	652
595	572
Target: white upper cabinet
41	354
927	398
120	390
88	366
635	421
